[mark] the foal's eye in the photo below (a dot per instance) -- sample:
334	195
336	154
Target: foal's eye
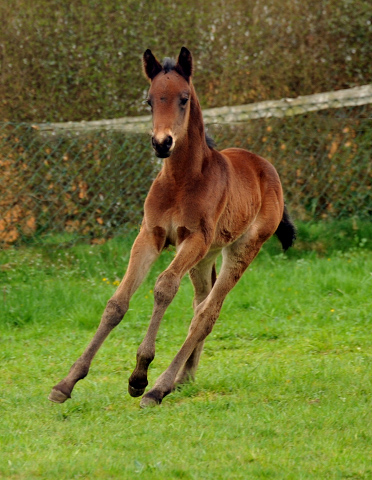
184	100
148	101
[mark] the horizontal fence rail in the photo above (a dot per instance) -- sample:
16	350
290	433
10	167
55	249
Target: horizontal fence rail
286	107
87	181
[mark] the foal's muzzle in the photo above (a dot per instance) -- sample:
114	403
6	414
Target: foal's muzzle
163	149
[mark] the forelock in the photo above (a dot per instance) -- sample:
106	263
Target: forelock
168	64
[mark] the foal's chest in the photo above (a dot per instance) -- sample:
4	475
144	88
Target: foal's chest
176	210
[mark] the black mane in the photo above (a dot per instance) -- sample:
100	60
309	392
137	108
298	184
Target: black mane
210	141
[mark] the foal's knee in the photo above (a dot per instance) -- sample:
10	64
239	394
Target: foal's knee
114	312
166	288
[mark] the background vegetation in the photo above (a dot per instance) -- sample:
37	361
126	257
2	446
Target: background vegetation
81	59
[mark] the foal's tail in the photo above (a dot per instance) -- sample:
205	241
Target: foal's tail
286	231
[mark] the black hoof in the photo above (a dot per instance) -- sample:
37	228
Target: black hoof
136	392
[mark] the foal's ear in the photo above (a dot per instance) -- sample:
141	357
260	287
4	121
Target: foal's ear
150	65
184	63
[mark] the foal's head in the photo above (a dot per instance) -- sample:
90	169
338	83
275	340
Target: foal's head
169	98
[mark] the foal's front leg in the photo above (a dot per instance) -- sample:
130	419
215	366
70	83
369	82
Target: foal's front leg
190	252
144	252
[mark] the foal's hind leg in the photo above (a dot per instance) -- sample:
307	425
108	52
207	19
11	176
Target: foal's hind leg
236	259
203	277
144	252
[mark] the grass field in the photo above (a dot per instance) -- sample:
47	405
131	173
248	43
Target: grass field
283	391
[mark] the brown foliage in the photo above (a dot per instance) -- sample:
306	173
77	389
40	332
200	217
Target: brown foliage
16	204
89	186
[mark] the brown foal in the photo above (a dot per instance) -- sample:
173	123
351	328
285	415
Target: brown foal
204	202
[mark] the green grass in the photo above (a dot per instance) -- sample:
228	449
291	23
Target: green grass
283	390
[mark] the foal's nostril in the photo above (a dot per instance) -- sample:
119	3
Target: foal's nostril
168	142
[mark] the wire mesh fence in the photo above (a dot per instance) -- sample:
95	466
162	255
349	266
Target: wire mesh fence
65	186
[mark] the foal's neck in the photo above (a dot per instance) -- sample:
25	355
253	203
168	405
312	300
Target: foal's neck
189	155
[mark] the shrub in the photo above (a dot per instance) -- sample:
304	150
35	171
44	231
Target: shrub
81	60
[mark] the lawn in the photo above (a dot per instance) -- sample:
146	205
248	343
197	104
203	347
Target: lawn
284	388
